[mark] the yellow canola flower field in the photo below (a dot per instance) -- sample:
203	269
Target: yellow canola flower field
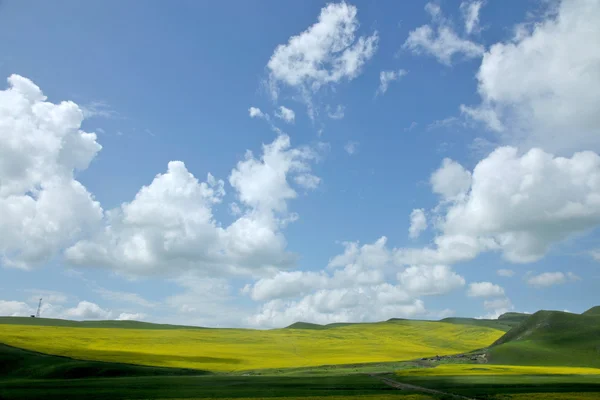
490	369
229	350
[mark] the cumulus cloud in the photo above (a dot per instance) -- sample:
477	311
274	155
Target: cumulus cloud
42	206
386	77
509	203
131	317
540	89
326	53
430	279
340	305
507	273
169	226
354	287
255	112
286	114
12	308
484	289
548	279
418	223
87	310
470	12
440	40
451	180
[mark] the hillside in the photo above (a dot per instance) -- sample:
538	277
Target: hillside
89	324
593	311
551	338
244	349
19	363
505	322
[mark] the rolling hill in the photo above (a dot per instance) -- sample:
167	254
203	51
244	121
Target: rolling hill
551	338
19	363
505	322
89	324
230	350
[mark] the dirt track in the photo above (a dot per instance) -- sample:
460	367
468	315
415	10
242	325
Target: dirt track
405	386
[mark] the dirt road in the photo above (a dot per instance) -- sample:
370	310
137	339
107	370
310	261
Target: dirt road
405	386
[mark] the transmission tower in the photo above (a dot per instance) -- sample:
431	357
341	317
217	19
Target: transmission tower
37	314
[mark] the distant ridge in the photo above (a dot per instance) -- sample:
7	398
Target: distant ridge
90	324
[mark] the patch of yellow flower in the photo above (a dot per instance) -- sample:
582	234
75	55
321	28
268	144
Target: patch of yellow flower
230	350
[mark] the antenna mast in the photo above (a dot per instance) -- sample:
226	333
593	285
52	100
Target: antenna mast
37	314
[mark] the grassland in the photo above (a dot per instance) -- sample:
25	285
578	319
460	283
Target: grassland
18	364
212	387
551	338
231	350
496	370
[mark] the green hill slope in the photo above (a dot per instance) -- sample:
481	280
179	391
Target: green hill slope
550	338
505	322
593	311
19	363
89	324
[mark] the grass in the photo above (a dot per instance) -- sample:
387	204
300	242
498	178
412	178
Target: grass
487	369
551	338
214	387
234	350
504	386
19	363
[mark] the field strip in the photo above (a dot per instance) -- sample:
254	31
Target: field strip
405	386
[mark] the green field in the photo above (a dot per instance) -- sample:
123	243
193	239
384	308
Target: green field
546	355
231	350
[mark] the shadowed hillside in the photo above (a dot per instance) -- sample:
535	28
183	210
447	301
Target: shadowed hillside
19	363
551	338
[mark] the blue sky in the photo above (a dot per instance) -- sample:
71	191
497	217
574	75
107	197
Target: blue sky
402	154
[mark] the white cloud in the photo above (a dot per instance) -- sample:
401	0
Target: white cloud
86	310
374	303
430	280
451	180
351	147
484	289
286	114
418	223
131	317
547	279
440	40
308	181
470	11
595	254
338	113
497	304
255	112
98	109
511	206
326	53
48	296
15	308
42	207
169	227
507	273
541	88
386	77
